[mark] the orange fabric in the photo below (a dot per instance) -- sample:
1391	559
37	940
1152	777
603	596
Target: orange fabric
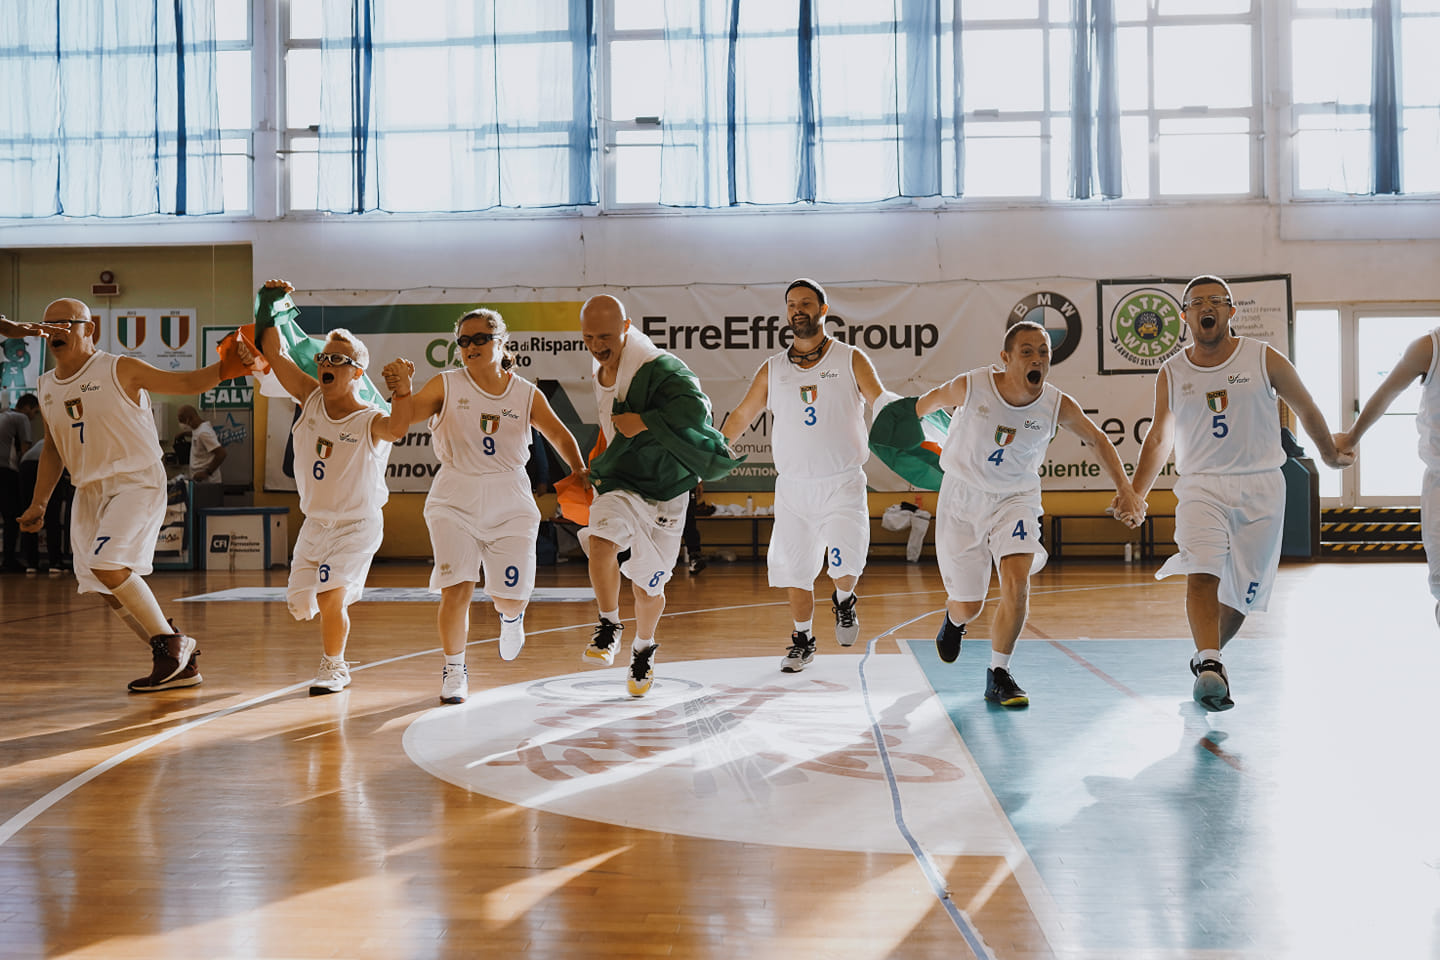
574	499
231	366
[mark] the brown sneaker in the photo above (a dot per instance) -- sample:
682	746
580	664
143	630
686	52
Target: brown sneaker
173	665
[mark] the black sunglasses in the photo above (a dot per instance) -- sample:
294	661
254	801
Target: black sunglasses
478	339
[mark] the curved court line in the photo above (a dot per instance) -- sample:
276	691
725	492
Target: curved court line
959	917
19	821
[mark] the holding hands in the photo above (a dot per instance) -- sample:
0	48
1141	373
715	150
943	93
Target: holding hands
397	374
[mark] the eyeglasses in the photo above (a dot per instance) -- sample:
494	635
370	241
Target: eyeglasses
335	360
478	339
1215	300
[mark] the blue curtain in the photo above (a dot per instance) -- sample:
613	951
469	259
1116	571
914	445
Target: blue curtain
808	102
1094	102
457	106
1384	96
110	109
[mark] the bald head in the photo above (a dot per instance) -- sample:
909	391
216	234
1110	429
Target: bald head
602	326
66	310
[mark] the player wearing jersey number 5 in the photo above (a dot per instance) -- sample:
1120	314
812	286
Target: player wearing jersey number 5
341	447
989	508
98	424
816	391
480	510
1215	404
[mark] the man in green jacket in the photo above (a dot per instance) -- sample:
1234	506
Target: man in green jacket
656	443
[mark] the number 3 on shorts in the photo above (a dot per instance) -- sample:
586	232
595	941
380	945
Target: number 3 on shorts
834	556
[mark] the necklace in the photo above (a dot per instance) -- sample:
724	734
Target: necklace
809	356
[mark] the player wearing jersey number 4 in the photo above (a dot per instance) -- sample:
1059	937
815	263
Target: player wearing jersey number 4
342	445
989	508
816	392
1215	404
98	424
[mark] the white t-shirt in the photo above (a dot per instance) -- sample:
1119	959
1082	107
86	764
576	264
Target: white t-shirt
99	431
817	415
203	444
339	471
997	447
1226	420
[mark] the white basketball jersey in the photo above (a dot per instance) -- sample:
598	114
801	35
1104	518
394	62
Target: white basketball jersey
1427	416
1226	420
994	446
817	425
340	473
481	433
99	431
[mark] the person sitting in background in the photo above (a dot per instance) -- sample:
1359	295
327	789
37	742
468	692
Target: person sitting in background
207	453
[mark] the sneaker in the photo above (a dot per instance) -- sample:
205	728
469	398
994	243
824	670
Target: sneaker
332	677
847	625
947	641
641	675
697	565
31	571
1212	685
1001	688
602	644
512	637
801	652
455	683
171	655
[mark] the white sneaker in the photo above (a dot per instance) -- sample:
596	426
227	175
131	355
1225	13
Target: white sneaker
512	637
454	684
332	677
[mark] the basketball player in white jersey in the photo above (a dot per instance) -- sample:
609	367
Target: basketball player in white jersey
341	447
1215	404
480	511
657	444
989	508
816	391
99	425
1420	361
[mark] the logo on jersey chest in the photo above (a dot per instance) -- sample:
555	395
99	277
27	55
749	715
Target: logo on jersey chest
808	394
1217	401
323	448
75	409
1004	436
489	423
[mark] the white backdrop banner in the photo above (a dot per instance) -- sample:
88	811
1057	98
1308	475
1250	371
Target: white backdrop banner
1108	337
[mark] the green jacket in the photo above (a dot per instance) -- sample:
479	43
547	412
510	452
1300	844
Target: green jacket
679	446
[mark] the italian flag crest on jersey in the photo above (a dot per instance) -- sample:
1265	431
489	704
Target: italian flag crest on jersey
808	394
489	423
75	409
1217	401
1004	436
323	448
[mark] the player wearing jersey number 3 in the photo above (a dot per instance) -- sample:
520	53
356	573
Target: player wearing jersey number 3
1215	404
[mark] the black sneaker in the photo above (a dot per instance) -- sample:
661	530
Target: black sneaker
602	644
697	564
847	625
1212	685
947	641
173	664
1001	688
801	652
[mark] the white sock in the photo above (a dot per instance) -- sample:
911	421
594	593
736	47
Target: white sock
455	659
638	644
842	595
999	661
140	603
612	615
1202	655
518	616
132	623
804	627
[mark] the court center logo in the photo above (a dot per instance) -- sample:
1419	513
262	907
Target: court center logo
1059	317
1146	327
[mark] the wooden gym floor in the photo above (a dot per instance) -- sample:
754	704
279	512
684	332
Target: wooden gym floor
736	811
